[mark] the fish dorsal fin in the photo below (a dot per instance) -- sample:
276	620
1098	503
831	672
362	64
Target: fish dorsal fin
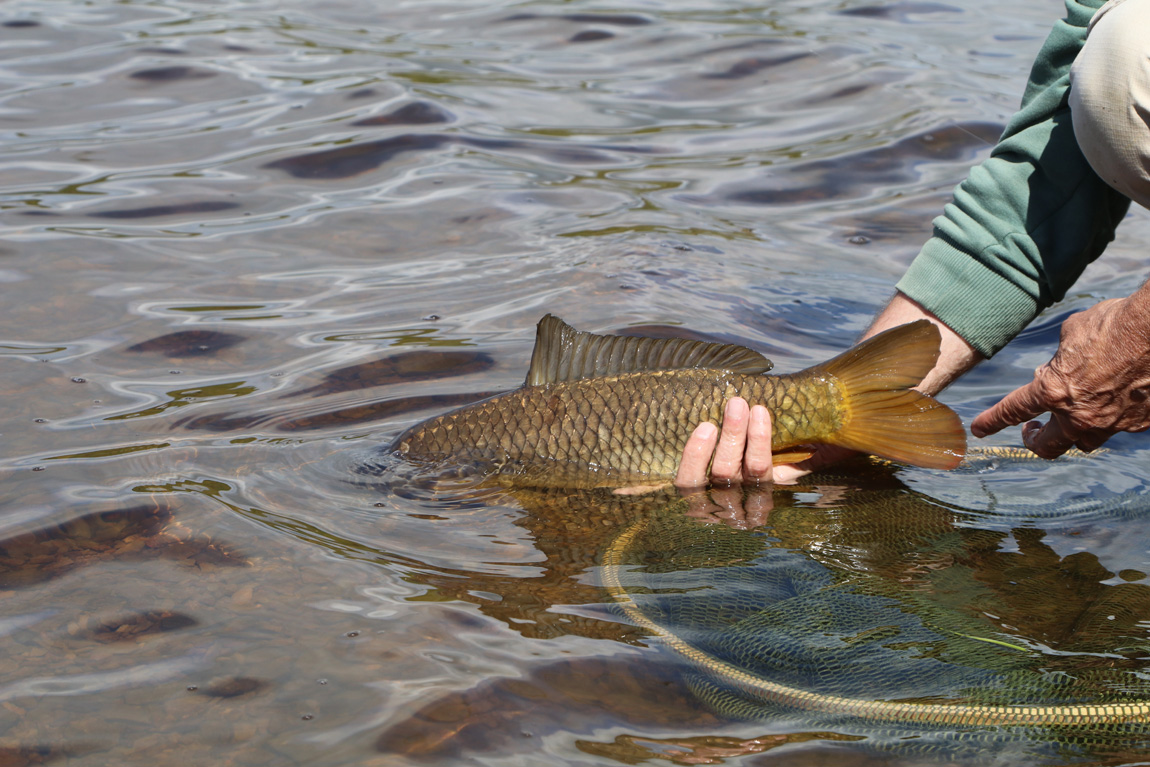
563	353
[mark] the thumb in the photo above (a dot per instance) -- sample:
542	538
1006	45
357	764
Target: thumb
1049	441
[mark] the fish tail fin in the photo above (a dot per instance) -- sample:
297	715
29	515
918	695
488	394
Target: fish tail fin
884	416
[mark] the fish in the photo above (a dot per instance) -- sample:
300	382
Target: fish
616	411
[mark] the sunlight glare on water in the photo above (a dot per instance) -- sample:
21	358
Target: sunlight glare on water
245	244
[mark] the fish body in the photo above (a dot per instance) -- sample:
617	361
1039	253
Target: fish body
611	411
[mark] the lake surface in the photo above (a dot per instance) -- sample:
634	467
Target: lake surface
245	244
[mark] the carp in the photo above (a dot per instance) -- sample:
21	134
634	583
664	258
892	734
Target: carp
611	411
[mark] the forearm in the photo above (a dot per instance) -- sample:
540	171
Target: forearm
956	356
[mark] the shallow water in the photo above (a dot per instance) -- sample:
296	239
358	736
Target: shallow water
244	244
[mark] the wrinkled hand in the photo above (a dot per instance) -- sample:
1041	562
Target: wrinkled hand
1097	384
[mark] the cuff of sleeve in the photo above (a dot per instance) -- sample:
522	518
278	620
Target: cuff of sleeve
972	300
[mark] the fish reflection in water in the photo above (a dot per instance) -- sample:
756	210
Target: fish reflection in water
570	528
1030	614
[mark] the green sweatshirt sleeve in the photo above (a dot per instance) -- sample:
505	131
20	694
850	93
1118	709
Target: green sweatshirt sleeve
1026	222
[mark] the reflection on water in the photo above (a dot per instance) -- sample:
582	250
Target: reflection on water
923	601
849	586
246	244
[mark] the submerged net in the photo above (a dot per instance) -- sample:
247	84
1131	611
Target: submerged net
882	603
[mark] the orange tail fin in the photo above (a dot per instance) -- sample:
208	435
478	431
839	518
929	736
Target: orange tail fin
884	415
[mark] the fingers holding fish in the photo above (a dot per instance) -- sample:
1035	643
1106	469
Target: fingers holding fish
727	465
740	452
758	461
697	456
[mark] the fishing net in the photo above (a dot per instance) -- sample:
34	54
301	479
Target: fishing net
880	602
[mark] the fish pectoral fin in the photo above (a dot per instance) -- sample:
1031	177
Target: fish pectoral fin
563	353
793	456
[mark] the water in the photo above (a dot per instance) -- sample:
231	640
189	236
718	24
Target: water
242	244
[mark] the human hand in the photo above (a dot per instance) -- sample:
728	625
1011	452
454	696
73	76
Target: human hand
1096	385
741	452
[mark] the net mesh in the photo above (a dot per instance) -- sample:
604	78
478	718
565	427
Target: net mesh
881	593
